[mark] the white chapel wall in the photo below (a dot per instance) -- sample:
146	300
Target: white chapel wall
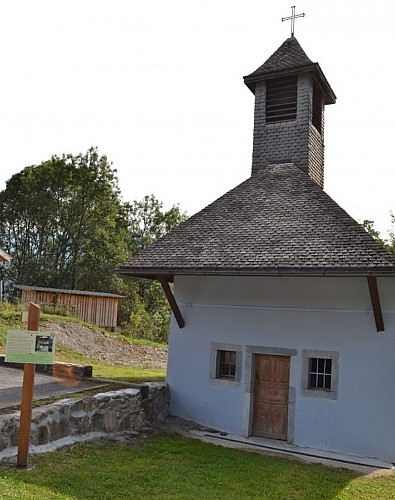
289	313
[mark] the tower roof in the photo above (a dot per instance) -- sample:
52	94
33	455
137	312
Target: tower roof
289	55
289	59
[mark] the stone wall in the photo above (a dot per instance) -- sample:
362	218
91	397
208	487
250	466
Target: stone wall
107	412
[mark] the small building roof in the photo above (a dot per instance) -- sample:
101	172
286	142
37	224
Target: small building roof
289	59
4	257
71	292
278	221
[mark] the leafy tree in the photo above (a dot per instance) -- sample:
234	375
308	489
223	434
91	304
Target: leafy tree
391	240
146	312
149	222
389	243
63	223
65	226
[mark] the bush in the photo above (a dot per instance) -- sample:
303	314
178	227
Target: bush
9	313
147	325
59	310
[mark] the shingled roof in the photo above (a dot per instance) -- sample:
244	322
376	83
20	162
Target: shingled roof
289	55
278	221
289	58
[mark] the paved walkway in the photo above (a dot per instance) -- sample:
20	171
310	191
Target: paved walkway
45	386
275	446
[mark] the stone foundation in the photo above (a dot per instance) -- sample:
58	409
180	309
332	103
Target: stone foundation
108	412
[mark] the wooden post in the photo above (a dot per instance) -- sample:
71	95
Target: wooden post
172	302
376	306
27	394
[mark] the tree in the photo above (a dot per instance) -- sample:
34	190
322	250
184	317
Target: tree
65	226
148	222
63	223
389	243
146	310
391	240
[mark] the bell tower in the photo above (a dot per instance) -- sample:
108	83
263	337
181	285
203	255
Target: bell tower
290	97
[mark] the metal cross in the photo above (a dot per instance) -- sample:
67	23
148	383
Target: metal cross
292	19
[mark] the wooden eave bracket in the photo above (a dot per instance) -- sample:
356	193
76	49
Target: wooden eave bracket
375	300
172	302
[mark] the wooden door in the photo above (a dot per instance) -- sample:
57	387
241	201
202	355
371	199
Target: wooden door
270	418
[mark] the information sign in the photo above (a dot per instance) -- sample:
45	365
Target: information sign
30	347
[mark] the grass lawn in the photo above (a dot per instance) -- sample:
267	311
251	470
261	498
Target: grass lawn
127	373
173	467
113	372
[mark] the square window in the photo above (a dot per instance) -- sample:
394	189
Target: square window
225	364
320	374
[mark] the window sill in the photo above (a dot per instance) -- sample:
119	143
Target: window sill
225	382
319	394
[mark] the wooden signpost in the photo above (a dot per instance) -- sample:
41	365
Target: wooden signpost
27	394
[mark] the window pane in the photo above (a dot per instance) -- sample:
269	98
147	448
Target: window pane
320	373
313	383
226	367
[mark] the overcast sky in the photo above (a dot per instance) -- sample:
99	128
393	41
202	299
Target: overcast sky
157	86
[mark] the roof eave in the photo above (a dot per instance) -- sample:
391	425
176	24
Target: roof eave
306	272
61	291
330	97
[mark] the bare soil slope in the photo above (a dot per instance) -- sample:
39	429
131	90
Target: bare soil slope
107	348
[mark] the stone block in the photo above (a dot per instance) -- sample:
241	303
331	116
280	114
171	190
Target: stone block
58	429
110	421
39	435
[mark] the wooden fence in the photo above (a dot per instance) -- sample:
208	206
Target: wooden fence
93	307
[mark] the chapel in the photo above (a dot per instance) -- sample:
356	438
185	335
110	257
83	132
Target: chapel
283	321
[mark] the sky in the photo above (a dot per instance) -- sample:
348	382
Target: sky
157	86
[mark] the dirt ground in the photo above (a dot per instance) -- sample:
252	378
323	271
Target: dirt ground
107	347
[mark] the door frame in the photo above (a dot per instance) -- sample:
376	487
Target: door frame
249	386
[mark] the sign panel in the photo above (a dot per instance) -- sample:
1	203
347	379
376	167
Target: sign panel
30	347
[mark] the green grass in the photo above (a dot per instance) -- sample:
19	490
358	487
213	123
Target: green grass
173	467
10	318
104	370
128	373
